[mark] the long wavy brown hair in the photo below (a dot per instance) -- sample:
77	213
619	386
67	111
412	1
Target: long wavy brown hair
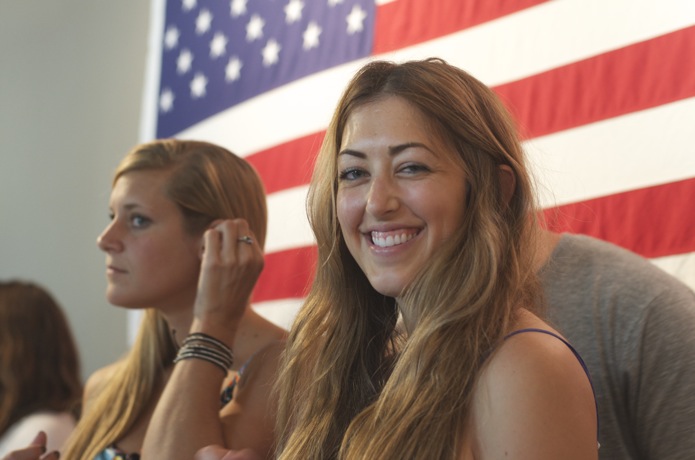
39	363
207	182
351	388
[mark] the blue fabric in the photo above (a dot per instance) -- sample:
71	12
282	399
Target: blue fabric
114	453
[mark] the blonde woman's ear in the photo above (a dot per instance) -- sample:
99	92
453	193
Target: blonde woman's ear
507	182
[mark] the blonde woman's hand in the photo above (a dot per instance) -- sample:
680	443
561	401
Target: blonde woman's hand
232	260
220	453
35	451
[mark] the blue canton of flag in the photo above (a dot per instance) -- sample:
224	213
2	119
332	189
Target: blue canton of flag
216	54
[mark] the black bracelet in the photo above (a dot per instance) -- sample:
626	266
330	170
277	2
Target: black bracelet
202	346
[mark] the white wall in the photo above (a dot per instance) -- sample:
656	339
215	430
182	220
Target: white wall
71	79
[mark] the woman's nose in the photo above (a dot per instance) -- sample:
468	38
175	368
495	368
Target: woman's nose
107	240
383	196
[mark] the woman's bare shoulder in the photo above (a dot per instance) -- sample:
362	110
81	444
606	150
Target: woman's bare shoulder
97	381
533	388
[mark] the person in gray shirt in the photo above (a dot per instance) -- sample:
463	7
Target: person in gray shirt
634	325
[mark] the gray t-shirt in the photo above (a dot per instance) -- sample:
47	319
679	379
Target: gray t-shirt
634	325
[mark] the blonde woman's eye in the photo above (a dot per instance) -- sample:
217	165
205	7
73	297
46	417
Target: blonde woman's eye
139	221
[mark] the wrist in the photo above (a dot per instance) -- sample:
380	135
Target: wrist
224	331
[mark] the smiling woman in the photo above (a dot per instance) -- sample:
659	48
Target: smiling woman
400	194
422	208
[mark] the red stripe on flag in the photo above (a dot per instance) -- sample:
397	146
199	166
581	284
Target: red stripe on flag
636	77
654	221
287	165
286	275
400	23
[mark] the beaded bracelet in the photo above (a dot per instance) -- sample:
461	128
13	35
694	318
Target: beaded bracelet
202	346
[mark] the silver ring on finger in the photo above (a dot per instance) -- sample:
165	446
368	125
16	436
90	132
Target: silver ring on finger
245	239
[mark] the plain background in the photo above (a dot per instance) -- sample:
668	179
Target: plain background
71	85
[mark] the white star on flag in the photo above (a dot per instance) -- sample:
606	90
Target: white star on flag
311	36
202	23
271	53
233	69
237	8
184	61
188	5
355	20
198	86
166	100
293	11
171	37
254	29
218	45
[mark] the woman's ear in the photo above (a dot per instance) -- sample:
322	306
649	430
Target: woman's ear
507	182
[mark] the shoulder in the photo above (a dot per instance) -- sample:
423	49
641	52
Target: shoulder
534	400
262	367
249	418
615	262
588	271
97	381
532	360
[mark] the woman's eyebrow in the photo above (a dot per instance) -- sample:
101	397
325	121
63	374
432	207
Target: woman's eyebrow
393	149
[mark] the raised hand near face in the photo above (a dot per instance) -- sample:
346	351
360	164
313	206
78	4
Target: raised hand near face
232	260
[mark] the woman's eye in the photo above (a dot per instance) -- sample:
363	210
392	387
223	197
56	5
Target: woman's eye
413	168
351	174
139	221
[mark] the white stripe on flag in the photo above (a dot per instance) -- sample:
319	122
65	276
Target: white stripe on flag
682	266
633	151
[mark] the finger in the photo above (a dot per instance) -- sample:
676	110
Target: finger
39	440
211	244
54	455
238	242
211	453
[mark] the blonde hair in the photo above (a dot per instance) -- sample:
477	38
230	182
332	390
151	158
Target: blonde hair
39	363
349	389
207	182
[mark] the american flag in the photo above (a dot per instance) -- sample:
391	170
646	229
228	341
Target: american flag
603	90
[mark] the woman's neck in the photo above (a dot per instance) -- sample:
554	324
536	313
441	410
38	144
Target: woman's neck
179	323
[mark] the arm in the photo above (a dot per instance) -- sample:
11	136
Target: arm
534	402
187	416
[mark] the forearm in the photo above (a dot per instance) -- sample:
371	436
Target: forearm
187	415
